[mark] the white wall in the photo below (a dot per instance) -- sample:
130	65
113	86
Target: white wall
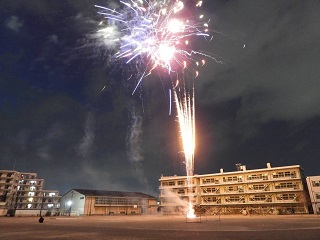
314	191
73	203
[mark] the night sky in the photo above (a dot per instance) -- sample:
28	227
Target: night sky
67	112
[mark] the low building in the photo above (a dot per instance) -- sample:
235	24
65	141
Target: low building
99	202
23	193
314	192
271	190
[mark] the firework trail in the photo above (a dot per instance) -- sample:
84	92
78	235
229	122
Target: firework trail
156	34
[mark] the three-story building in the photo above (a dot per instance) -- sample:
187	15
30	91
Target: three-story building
271	190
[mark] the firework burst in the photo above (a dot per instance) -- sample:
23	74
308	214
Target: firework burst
157	34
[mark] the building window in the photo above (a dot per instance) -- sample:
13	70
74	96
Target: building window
210	180
230	179
287	196
229	189
257	176
317	196
286	174
180	183
193	190
210	190
180	191
283	185
172	183
240	189
211	200
316	183
258	187
233	199
118	201
255	198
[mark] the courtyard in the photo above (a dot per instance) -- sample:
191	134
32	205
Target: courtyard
282	227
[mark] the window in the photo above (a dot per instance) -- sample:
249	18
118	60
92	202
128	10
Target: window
287	196
286	174
240	188
233	199
181	183
230	179
257	176
193	190
258	198
283	185
317	196
210	190
118	201
172	184
211	200
258	187
164	184
180	191
210	180
230	189
316	183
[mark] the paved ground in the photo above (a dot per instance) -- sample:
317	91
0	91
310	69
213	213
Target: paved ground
306	227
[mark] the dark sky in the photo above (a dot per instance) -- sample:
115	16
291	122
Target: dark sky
67	113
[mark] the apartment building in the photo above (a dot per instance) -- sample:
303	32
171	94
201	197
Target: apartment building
314	192
23	193
270	190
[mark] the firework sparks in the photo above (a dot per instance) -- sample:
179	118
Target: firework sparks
186	118
157	33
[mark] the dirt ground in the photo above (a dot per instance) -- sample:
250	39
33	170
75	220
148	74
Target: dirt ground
293	227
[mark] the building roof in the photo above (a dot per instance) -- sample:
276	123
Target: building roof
90	192
222	173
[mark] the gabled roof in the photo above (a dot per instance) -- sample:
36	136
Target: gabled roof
90	192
